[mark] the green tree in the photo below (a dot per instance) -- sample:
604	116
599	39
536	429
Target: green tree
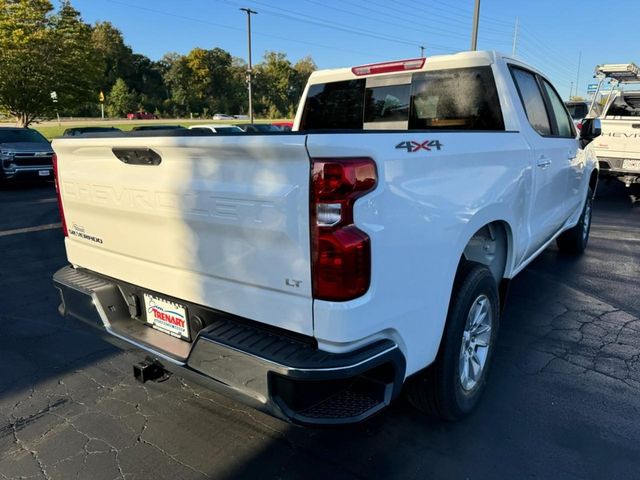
276	86
178	80
43	52
238	94
120	100
210	77
303	70
141	74
117	58
201	80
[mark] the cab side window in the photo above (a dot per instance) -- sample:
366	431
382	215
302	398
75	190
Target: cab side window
532	100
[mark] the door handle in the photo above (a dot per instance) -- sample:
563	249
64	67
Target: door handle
543	161
571	155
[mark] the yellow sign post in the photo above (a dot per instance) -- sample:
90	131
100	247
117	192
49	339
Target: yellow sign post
101	99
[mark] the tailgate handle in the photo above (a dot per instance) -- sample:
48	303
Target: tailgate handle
137	156
635	125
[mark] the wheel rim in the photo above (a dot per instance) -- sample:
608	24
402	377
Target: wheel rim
586	223
476	342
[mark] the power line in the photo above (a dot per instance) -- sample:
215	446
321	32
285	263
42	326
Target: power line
548	50
419	14
453	14
544	66
262	34
332	25
557	65
385	20
461	32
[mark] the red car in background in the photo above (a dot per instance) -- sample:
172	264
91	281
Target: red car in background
141	116
286	126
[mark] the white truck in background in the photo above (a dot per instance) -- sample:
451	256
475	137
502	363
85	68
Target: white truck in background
314	273
618	147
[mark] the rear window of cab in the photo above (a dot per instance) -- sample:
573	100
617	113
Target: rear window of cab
451	99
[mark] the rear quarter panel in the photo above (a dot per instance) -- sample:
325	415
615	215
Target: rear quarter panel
426	207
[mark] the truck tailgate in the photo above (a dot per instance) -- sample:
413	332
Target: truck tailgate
221	221
620	138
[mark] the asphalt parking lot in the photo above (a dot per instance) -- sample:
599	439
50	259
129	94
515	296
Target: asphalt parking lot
563	399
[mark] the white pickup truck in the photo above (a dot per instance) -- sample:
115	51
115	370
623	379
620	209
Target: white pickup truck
313	273
618	147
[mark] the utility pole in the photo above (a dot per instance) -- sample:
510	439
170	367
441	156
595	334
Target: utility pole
578	73
421	51
474	33
515	39
250	69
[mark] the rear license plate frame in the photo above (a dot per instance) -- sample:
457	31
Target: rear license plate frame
167	316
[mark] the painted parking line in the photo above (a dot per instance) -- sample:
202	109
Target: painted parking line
38	228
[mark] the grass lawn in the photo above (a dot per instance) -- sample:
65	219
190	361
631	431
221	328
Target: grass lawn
53	130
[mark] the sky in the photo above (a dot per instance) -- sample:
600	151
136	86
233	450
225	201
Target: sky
565	39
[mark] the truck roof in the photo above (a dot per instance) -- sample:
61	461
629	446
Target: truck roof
456	60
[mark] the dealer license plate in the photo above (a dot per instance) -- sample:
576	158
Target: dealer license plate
631	164
167	317
43	173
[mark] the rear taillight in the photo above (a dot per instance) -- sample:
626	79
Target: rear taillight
340	252
56	177
579	125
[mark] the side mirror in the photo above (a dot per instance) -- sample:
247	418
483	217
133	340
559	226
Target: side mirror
591	128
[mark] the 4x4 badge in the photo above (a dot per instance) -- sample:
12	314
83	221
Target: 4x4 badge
413	146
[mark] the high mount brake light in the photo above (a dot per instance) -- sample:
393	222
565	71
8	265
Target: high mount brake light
340	252
56	177
388	67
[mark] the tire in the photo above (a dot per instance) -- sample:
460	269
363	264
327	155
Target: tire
442	390
574	241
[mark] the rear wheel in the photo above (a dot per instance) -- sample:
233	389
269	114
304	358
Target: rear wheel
451	387
575	239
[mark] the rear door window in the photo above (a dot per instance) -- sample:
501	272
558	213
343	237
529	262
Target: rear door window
532	100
